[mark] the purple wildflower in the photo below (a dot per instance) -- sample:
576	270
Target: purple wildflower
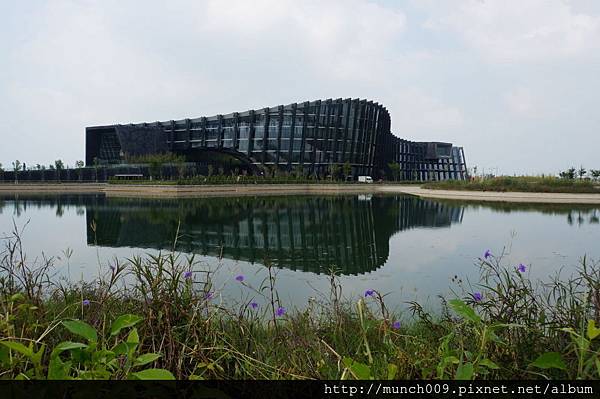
112	268
369	293
522	268
396	325
253	305
487	253
187	275
477	296
239	278
85	302
280	311
208	296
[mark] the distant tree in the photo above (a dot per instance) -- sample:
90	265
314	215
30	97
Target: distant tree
298	171
58	166
347	169
334	171
17	165
595	173
38	166
79	165
395	170
181	169
581	172
51	167
568	174
1	169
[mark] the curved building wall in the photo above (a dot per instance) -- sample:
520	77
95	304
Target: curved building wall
309	135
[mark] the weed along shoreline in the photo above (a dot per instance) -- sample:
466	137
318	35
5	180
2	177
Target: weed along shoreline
223	190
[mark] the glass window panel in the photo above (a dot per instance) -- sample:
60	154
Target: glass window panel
212	134
308	146
308	156
270	156
228	133
244	132
298	132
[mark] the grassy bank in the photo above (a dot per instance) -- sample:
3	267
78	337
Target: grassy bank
162	317
520	184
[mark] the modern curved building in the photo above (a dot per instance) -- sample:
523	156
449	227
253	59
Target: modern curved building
310	136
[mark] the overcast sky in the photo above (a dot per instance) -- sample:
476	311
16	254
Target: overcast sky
516	83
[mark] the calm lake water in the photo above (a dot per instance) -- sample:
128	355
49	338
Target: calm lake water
402	245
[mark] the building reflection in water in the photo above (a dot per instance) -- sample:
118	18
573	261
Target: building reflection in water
350	233
308	233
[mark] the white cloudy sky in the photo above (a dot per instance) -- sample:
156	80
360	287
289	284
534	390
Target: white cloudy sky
517	83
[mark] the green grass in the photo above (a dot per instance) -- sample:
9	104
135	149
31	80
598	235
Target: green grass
520	183
178	327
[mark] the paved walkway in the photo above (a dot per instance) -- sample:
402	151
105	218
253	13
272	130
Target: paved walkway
547	198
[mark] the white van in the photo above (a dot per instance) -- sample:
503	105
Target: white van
365	179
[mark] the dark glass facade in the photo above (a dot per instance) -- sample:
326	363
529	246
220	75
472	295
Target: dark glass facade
311	136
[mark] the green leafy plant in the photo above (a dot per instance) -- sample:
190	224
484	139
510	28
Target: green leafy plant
470	364
96	358
588	360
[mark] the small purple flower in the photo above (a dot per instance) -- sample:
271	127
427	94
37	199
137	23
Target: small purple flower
487	253
369	293
208	296
477	296
522	268
396	325
85	302
187	275
280	311
112	268
239	278
253	305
